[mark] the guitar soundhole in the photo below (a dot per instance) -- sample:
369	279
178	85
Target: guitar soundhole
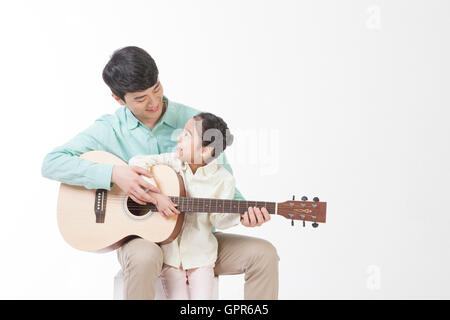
137	209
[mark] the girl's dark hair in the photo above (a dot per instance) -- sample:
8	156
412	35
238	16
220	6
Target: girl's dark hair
211	126
130	69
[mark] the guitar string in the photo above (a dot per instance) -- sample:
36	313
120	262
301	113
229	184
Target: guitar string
201	199
199	210
256	203
192	199
198	201
197	207
122	197
137	205
197	204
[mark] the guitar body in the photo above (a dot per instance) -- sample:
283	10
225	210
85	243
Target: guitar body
123	218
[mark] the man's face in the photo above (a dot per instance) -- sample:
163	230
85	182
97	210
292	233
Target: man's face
146	105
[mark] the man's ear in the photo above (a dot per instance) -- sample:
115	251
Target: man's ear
122	103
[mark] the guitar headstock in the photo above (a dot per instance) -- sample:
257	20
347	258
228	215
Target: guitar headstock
314	211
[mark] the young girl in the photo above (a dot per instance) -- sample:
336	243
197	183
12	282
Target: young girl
188	270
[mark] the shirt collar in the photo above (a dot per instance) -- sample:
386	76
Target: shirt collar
206	170
169	117
132	122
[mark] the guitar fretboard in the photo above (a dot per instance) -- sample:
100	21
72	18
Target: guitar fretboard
220	205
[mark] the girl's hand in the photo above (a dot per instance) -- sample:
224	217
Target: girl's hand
165	206
255	217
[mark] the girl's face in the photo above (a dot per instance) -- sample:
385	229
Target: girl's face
189	147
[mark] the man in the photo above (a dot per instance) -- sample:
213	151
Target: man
147	123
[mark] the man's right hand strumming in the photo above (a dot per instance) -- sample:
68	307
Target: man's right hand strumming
129	179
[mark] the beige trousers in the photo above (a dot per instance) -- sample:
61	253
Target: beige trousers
142	262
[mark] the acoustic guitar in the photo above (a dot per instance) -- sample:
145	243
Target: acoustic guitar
101	220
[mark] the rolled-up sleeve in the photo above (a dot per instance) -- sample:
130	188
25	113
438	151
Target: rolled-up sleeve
146	161
64	164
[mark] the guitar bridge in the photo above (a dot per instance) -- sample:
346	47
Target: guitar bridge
100	205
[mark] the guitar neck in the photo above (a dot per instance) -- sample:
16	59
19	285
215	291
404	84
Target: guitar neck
220	205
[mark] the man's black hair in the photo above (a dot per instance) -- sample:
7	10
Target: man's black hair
130	69
211	121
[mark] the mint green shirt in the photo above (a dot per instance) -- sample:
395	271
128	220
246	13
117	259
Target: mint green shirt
123	135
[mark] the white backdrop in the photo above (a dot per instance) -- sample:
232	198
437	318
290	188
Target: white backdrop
344	100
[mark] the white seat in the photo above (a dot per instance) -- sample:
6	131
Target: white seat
159	292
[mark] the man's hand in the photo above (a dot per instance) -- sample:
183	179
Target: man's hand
129	180
165	206
255	217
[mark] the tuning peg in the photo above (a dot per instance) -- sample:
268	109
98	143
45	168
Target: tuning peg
304	224
316	199
293	197
304	198
315	225
291	215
